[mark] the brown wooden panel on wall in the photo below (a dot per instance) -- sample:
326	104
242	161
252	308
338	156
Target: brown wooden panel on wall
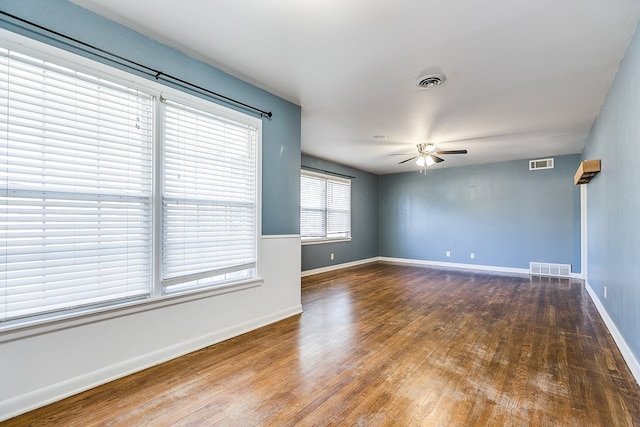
586	171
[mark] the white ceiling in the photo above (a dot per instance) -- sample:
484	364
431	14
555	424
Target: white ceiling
525	79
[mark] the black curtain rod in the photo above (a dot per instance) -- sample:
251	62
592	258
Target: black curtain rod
311	168
94	50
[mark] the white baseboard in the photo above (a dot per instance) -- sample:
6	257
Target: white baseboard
338	266
627	354
490	268
55	392
419	262
425	263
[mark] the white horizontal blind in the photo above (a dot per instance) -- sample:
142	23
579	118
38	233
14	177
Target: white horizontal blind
209	199
75	189
313	224
338	209
325	207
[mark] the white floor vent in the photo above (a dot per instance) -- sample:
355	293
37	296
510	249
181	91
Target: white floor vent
547	269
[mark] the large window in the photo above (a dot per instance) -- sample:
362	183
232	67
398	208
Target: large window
116	189
325	207
209	202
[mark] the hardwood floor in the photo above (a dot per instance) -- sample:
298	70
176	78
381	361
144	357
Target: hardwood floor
390	345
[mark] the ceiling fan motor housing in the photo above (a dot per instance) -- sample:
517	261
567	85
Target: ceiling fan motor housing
424	147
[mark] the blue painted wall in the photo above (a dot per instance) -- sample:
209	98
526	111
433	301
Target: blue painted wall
364	220
613	200
502	212
281	133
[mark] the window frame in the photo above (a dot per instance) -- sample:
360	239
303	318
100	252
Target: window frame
326	239
257	214
18	328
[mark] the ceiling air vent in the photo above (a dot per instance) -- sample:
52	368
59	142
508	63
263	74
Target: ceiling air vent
540	164
430	80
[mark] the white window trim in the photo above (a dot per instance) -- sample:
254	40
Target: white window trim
64	320
322	240
40	324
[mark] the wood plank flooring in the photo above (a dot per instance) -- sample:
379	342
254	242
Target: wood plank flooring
382	345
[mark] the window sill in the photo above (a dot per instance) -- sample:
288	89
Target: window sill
25	329
321	241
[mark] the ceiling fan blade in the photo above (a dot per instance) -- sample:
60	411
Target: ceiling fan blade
451	152
405	161
400	154
436	158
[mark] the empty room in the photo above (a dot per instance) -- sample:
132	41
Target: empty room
314	213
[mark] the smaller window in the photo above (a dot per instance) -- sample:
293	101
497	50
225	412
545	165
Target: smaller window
325	207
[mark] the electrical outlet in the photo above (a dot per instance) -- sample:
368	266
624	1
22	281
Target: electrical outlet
605	292
448	254
473	255
332	257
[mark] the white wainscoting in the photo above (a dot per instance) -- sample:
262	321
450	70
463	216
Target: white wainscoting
46	366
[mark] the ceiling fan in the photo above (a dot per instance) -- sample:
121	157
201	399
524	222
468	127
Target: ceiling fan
428	154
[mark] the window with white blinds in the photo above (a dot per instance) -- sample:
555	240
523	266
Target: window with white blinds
75	189
209	200
325	207
79	164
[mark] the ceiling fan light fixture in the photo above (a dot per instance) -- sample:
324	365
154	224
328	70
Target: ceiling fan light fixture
429	154
430	81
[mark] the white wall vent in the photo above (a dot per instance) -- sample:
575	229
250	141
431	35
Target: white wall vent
548	269
540	164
